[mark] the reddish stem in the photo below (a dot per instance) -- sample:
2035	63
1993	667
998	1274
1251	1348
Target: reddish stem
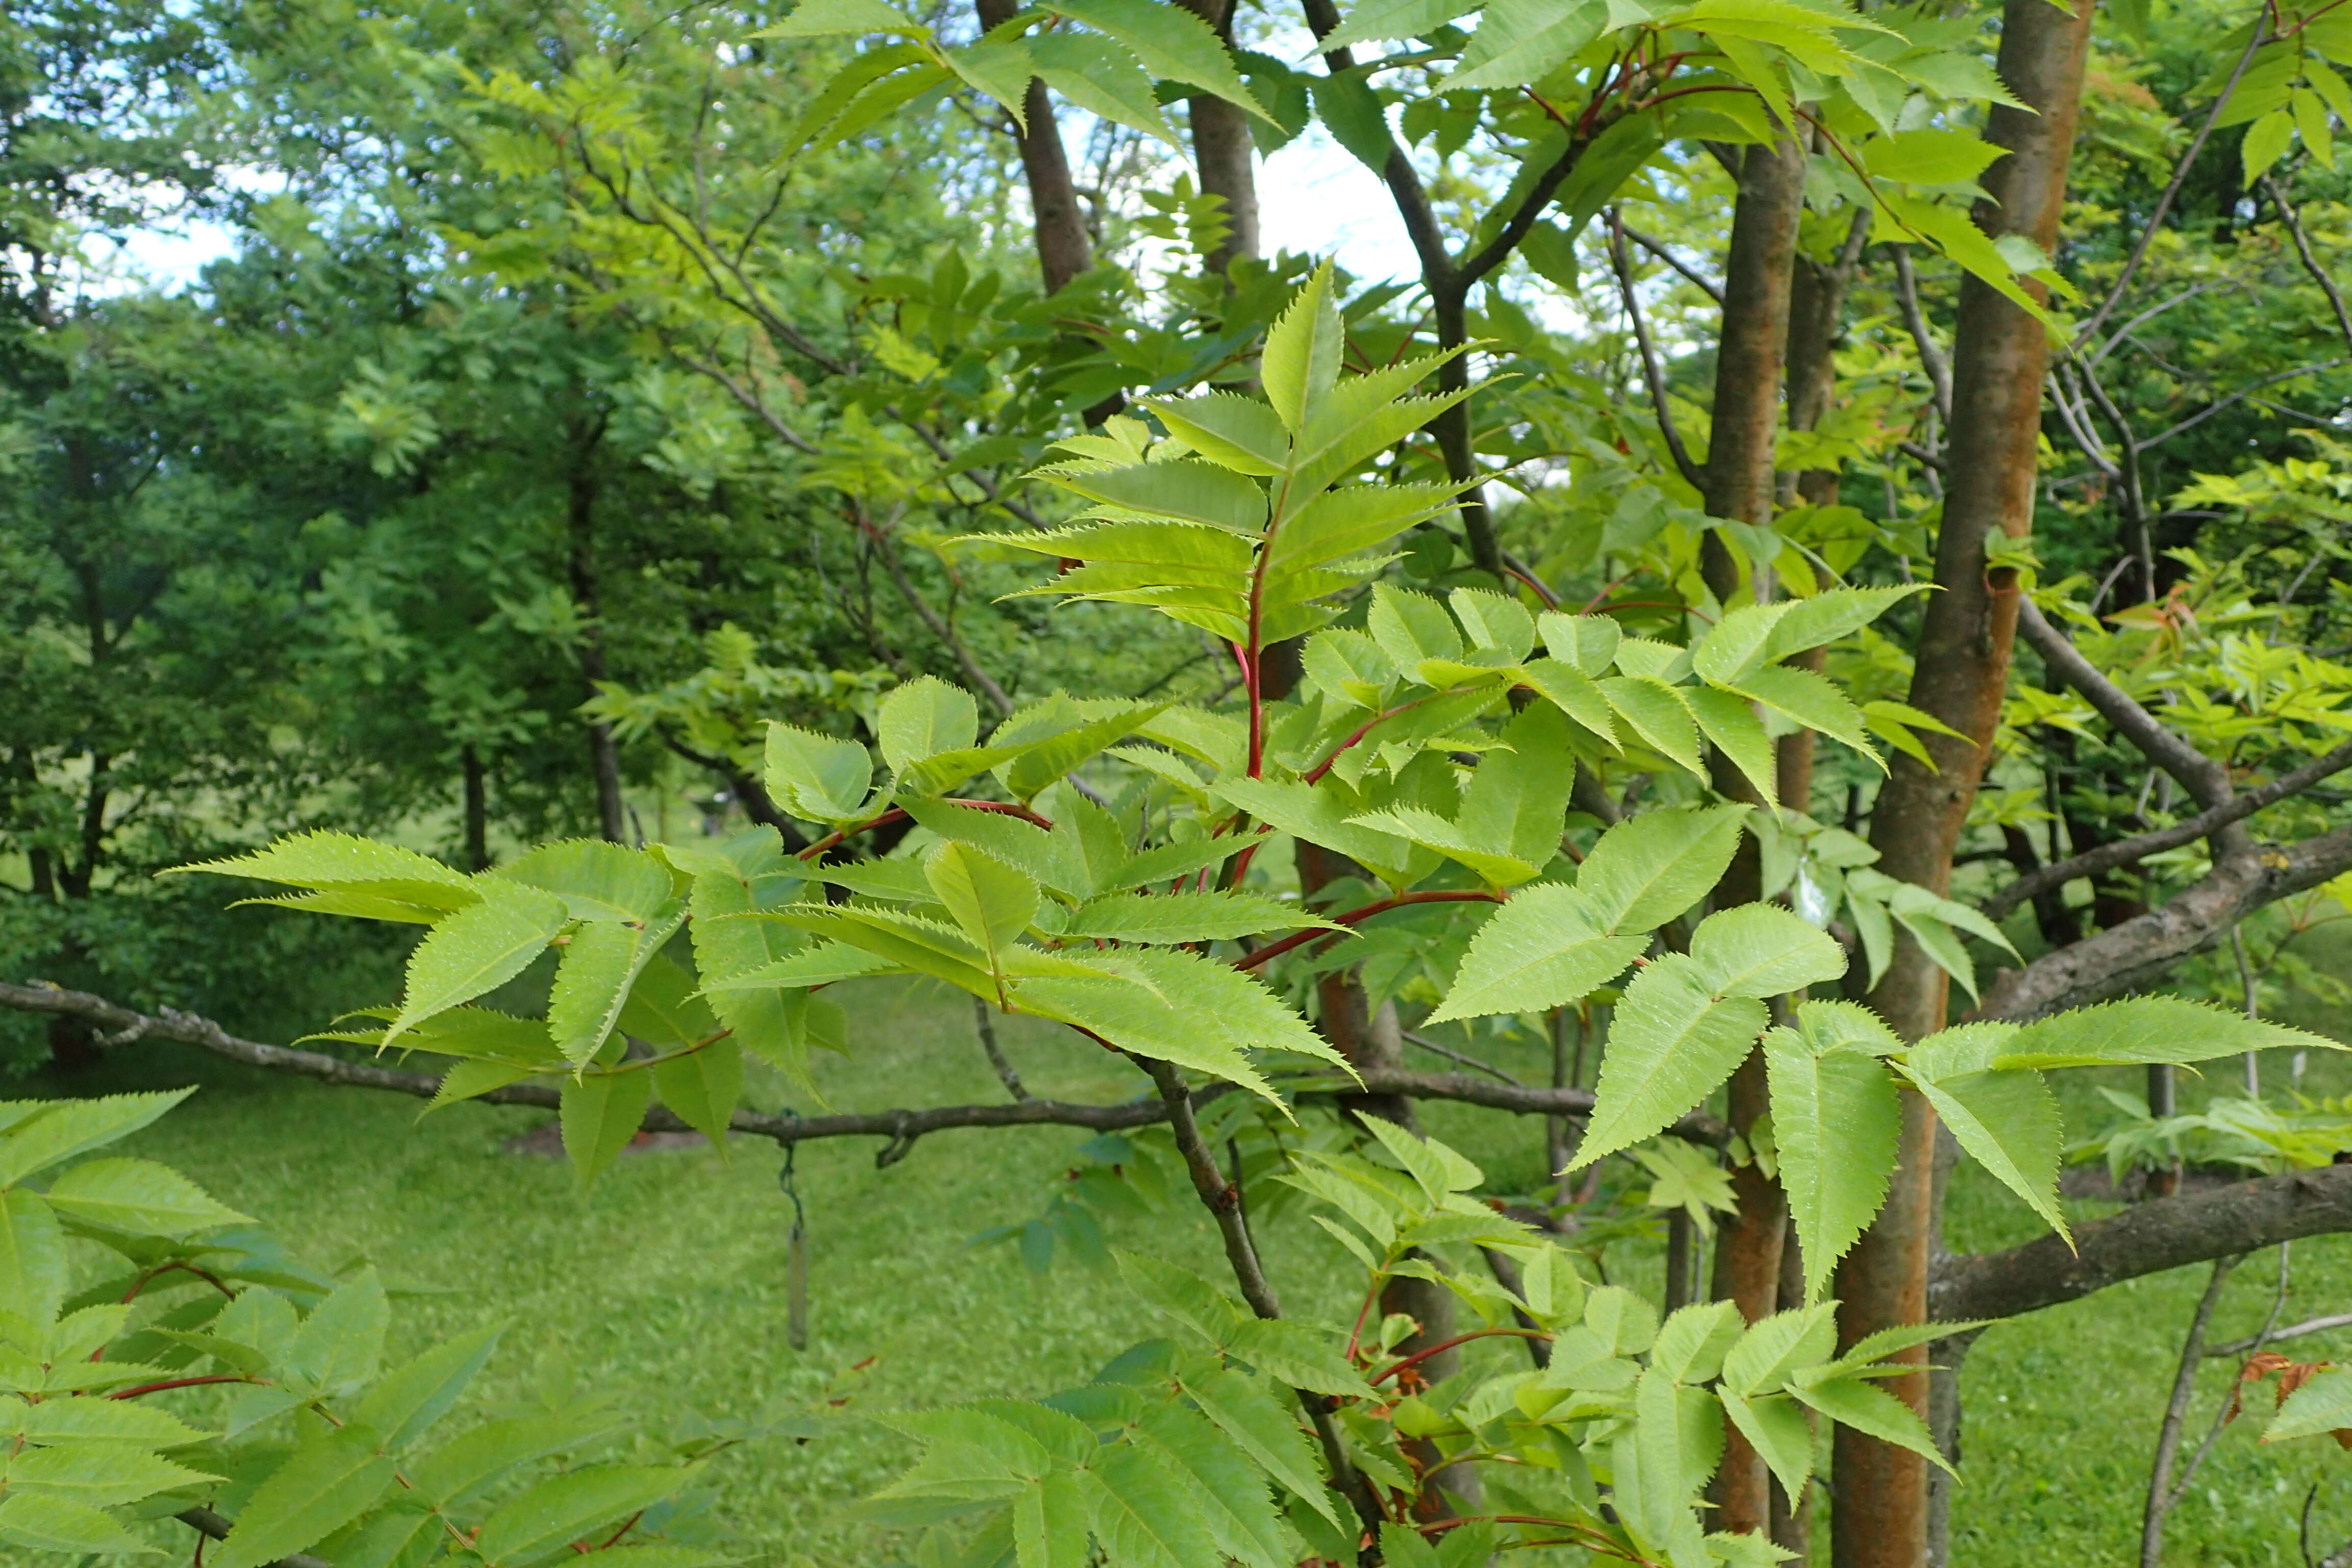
1443	1345
1243	657
1606	589
1010	808
1439	896
1315	773
179	1382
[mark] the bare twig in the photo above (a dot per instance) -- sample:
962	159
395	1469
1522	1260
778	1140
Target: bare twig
2160	1495
2319	274
2089	330
1473	1063
1658	249
1931	358
2294	1331
1650	372
986	1017
2206	780
2127	851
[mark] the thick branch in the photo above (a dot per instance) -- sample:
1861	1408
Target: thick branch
2129	851
2139	951
2145	1239
2206	780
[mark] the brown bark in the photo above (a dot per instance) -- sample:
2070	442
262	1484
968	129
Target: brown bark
1739	486
1879	1505
478	811
1224	156
1063	249
604	753
1817	292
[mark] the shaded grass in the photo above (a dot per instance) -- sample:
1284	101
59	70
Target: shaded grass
668	1285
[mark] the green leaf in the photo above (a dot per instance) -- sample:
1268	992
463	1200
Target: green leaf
1048	758
1672	1043
1762	950
763	1020
702	1087
138	1196
1301	361
1870	1410
1930	156
1050	1522
1774	1348
563	1509
1516	799
923	718
2322	1405
1243	433
476	1460
342	860
341	1342
59	1129
1587	643
1776	1428
1520	42
98	1475
1410	627
34	1270
2265	140
1188	917
594	979
1649	869
2148	1029
1812	700
1542	949
990	900
1102	79
1351	111
1834	1123
1261	1428
1692	1342
408	1402
476	950
828	18
1229	1492
1732	727
1144	1516
1573	693
1353	518
596	881
600	1114
1738	644
663	1009
1171	43
818	778
2008	1122
1655	711
78	1418
330	1480
39	1522
1000	65
1186	490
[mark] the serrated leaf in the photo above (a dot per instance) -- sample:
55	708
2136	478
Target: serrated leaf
1655	714
77	1418
324	859
600	1114
828	18
341	1341
138	1196
33	1269
1573	693
596	881
1542	949
1188	917
40	1521
1144	1516
1835	1123
1102	79
98	1475
1170	43
1671	1044
2008	1124
1244	434
1693	1341
58	1130
923	718
1876	1413
1649	869
1773	1348
1301	363
1762	950
1380	19
2148	1029
1736	644
408	1402
990	900
1229	1492
1520	42
1776	1428
563	1509
476	950
1812	700
1051	1522
702	1087
323	1485
2323	1403
1261	1428
818	778
478	1458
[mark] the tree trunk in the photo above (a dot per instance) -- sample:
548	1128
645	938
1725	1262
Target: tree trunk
478	811
604	754
1746	421
1879	1502
1224	153
1063	249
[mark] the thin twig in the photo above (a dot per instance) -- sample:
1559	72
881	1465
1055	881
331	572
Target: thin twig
1650	372
2319	274
1931	358
2160	1495
1473	1063
2309	1326
984	1017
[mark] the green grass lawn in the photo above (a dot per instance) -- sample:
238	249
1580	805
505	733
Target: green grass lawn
668	1284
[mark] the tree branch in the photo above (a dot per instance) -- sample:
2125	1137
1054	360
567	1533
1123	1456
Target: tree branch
2147	1238
1931	358
213	1527
1658	249
1650	373
2206	780
2129	851
2140	949
2311	262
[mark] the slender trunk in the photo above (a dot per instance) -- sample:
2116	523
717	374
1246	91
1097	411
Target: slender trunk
1224	153
1792	1523
1449	304
1746	422
1063	249
604	754
478	811
1879	1507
